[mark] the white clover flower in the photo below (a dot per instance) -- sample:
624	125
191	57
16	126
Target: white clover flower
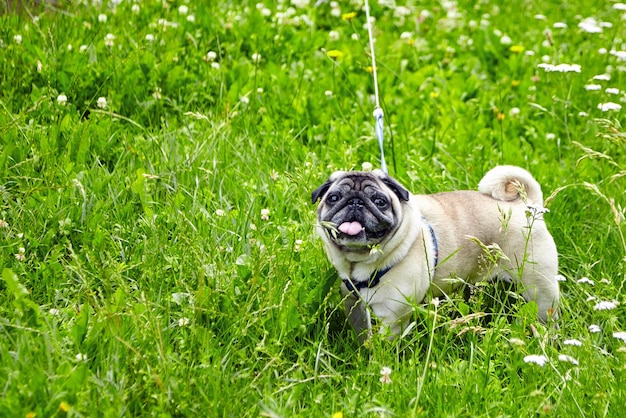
514	111
568	359
592	87
385	375
135	8
328	93
612	90
183	322
265	214
102	102
54	311
550	136
17	39
585	280
215	65
559	25
560	68
301	4
333	35
593	328
620	335
573	342
538	359
605	107
540	17
619	6
220	212
81	357
590	25
191	18
109	40
602	51
506	40
583	114
256	57
244	100
602	77
149	37
604	306
183	10
367	166
211	56
102	18
62	99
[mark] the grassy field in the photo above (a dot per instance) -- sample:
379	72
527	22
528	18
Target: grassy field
157	247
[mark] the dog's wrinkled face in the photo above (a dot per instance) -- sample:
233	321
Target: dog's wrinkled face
359	209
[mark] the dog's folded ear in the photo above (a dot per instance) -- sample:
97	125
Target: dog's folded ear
320	191
396	187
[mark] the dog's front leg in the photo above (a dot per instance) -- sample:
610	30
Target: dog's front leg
359	317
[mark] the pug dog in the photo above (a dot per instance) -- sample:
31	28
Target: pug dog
391	248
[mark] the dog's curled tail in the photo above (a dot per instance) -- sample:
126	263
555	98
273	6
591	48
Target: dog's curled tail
507	182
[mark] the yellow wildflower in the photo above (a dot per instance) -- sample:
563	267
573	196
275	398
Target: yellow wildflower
516	48
334	54
348	16
338	415
64	407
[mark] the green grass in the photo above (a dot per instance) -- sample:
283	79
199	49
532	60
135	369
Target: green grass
142	275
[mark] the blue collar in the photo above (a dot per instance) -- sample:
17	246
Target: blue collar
354	287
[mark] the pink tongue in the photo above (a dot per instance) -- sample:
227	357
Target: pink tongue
351	228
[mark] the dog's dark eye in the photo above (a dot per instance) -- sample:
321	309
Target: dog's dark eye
380	202
333	198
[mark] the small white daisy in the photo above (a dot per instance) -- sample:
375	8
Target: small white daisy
568	359
573	342
604	306
593	87
538	359
593	328
620	335
605	107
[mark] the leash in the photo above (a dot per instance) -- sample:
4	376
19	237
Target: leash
378	111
